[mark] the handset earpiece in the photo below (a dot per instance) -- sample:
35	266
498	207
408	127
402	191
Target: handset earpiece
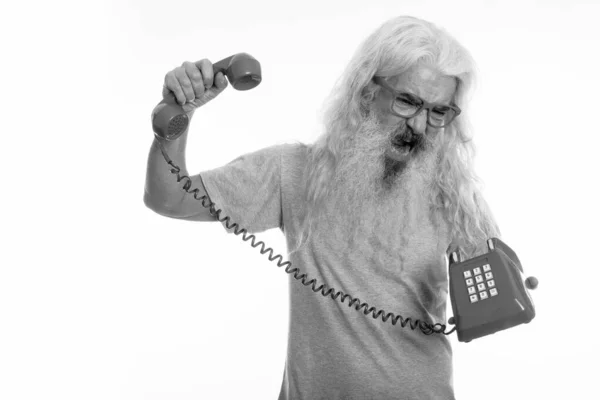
242	70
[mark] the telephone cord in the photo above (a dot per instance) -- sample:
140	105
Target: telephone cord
425	327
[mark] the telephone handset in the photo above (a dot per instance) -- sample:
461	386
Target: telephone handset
472	318
242	70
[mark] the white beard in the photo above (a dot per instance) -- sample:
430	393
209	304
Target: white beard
366	195
384	223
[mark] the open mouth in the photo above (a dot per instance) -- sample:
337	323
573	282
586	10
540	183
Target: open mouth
403	147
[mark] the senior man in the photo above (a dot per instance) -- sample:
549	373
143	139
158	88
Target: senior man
371	208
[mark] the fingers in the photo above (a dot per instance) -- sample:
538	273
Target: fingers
220	81
196	78
192	81
185	82
172	84
206	68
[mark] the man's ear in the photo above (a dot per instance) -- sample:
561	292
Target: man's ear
368	95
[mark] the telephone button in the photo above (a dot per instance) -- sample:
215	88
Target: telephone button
474	298
493	291
467	274
471	289
479	279
487	268
488	275
469	282
481	287
483	295
477	271
491	283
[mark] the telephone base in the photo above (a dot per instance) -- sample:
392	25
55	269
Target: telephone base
489	292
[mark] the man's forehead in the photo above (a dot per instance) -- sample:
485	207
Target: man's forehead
426	82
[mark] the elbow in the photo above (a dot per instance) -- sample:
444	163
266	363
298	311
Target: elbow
156	205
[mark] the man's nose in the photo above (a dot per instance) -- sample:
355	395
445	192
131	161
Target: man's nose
418	123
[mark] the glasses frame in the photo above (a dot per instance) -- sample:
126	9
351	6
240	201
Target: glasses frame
380	80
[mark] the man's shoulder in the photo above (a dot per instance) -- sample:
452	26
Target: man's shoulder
293	155
295	147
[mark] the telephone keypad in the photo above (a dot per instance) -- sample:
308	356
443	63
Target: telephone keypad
480	281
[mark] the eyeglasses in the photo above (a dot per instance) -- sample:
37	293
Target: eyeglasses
407	105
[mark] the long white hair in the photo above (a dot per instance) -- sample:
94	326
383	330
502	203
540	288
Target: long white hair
394	47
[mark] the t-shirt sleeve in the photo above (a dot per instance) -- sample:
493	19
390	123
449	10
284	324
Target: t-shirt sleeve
248	190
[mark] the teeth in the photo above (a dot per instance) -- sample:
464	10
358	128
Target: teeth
402	150
403	144
402	141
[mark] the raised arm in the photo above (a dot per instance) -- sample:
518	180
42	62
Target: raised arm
192	85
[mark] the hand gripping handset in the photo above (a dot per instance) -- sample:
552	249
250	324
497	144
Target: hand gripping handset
474	320
242	70
489	292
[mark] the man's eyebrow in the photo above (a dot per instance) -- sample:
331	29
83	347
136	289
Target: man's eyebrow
408	92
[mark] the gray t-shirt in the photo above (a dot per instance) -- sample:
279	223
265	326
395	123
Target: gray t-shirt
335	352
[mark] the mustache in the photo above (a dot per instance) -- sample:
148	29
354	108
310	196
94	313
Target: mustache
406	134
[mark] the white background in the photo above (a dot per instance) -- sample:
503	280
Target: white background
100	298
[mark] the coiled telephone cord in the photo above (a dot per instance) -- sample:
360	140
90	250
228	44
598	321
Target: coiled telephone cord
425	327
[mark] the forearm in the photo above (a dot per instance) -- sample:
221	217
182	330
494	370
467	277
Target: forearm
162	191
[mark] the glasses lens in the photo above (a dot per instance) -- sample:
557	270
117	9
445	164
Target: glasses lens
441	115
406	105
